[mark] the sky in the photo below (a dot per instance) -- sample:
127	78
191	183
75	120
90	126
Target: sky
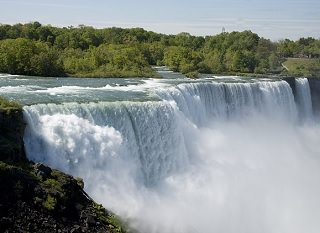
272	19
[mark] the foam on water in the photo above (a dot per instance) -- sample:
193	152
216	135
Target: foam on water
20	88
209	157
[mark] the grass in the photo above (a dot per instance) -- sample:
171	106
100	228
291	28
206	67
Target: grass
7	104
303	67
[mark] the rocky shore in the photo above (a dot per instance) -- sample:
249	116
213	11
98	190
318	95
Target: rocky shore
36	198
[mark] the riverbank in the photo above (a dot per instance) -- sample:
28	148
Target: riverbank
302	67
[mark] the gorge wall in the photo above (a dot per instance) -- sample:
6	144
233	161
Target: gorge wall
315	94
12	128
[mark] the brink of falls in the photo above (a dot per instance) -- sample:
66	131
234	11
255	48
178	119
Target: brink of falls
190	156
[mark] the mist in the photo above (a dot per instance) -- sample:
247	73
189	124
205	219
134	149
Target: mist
253	176
252	171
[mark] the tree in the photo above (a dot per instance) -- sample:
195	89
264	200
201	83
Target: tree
28	57
286	48
182	59
266	58
214	61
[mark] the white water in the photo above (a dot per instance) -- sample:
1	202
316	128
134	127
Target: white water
303	98
208	158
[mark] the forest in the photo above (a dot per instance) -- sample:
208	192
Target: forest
83	51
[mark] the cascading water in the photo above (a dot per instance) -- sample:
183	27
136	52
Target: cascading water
303	97
201	102
147	134
208	157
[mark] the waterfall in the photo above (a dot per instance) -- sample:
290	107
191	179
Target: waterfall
150	133
201	102
207	157
303	97
147	133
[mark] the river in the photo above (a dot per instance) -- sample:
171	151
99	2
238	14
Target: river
174	155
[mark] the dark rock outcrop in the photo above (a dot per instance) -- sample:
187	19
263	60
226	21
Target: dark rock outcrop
37	198
314	84
50	203
11	134
291	81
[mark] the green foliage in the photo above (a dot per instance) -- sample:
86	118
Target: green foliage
182	59
242	52
115	223
266	57
112	220
19	184
6	104
107	61
50	203
193	74
43	50
287	48
25	56
153	53
54	186
214	62
303	67
80	182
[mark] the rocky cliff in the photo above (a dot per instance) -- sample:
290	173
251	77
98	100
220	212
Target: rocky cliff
36	198
11	134
315	94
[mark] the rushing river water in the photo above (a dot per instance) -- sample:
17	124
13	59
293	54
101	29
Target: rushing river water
173	155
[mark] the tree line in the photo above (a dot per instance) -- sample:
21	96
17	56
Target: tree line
44	50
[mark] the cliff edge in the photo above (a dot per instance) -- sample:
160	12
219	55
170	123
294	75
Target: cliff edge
36	198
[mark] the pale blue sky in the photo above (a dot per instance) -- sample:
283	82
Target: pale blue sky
274	19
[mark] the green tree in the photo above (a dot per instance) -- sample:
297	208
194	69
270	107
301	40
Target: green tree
24	56
266	58
286	48
182	59
214	61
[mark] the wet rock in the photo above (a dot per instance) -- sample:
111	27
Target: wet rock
76	229
90	220
42	171
11	137
79	207
314	84
5	223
